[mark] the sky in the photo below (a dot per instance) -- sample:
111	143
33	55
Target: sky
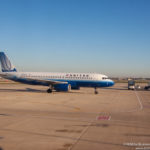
104	36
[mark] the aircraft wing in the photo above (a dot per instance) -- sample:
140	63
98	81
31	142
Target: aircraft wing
33	80
49	82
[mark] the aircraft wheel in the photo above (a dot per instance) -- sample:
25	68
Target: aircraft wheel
96	92
49	91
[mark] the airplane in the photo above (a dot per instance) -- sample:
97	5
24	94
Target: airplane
55	81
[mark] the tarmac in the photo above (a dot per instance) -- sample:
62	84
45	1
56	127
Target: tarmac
114	119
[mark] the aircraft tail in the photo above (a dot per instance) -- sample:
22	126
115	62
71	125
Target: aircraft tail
6	65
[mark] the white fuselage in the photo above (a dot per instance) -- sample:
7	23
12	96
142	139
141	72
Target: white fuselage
75	79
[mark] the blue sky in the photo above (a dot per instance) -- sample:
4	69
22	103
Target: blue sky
105	36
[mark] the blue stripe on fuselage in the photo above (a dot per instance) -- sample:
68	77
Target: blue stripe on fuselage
74	83
85	83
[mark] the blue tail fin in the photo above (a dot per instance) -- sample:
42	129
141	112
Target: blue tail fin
6	64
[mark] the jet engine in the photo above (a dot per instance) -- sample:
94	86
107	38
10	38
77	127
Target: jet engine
62	87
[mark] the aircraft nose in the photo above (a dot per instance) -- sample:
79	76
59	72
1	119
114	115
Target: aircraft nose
111	83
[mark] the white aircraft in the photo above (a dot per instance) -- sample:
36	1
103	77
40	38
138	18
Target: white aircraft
55	81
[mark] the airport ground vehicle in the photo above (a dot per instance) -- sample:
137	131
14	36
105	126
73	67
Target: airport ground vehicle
147	87
138	87
131	84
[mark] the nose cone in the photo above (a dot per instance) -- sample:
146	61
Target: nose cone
111	83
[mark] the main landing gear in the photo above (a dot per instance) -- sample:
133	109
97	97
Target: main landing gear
96	92
50	90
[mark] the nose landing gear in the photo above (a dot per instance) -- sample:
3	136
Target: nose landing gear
50	90
96	92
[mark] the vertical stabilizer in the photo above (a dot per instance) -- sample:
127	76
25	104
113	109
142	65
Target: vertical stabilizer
6	65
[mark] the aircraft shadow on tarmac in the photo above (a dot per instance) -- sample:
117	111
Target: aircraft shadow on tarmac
22	90
44	91
33	91
123	88
4	115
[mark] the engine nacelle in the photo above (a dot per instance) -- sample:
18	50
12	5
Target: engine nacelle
62	87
